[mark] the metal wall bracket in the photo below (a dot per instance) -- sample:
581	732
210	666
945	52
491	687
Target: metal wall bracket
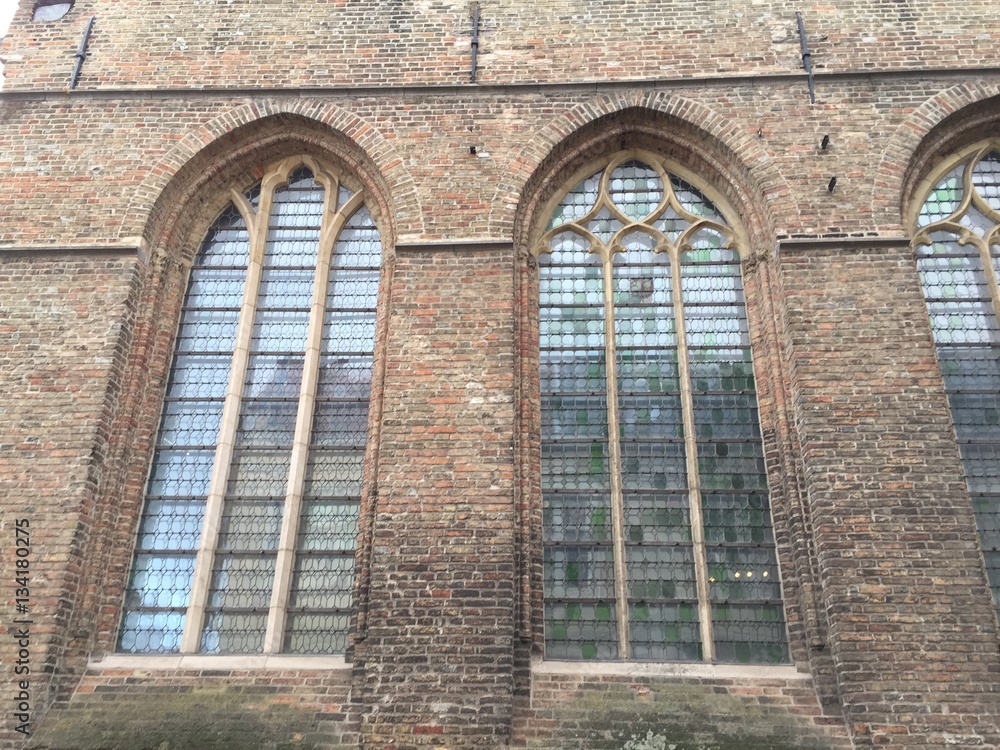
81	52
475	41
806	58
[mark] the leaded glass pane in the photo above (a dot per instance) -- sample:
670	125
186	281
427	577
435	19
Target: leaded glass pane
694	201
986	179
328	525
746	611
180	472
734	493
253	195
604	225
322	582
316	633
577	202
962	313
233	631
170	526
160	582
663	631
749	633
661	572
151	632
672	224
575	458
945	199
635	189
323	576
343	195
257	475
334	473
648	429
207	331
581	630
740	573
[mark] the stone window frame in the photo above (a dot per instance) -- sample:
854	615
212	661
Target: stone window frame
741	244
922	236
271	177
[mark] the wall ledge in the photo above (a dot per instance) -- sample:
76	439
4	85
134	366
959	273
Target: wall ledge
269	662
668	670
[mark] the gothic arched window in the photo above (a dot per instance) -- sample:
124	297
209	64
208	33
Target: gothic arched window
247	537
957	243
658	542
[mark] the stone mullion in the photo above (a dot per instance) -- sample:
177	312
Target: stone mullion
614	458
990	274
292	510
693	477
225	447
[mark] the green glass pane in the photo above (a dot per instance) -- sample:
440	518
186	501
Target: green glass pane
572	572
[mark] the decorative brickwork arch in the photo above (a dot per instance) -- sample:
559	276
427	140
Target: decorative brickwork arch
739	174
942	125
732	156
192	197
269	129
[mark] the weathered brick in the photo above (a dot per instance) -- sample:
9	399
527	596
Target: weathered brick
106	191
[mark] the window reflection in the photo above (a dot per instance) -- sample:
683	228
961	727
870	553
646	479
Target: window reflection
664	246
257	472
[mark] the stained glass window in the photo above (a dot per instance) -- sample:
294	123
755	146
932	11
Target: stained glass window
247	538
958	255
657	531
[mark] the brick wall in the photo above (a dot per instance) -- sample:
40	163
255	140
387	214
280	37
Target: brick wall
334	43
106	191
437	653
61	323
596	709
912	632
220	708
113	159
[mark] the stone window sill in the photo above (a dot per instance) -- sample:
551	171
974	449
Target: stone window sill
667	669
268	662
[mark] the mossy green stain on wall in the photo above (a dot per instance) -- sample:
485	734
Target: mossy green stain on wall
198	719
690	717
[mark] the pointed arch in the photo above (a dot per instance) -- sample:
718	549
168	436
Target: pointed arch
263	433
212	169
942	125
652	462
733	167
260	132
728	156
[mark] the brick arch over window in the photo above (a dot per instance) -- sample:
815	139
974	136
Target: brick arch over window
255	132
962	114
745	171
158	299
955	223
643	131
